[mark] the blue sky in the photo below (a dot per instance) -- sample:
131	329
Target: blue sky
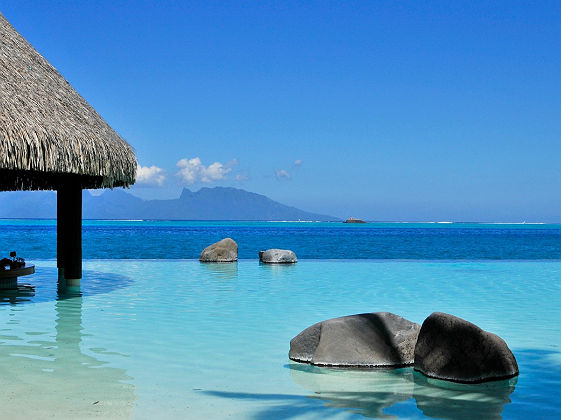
382	110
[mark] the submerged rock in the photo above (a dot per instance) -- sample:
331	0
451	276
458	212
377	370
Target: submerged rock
453	349
278	256
225	250
379	339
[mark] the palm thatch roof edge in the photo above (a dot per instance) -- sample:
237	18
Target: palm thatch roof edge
48	130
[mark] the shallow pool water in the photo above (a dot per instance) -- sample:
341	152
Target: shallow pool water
180	339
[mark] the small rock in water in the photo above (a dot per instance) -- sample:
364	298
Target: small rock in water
278	256
225	250
453	349
379	339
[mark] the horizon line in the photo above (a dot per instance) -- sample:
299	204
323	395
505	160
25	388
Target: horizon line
298	221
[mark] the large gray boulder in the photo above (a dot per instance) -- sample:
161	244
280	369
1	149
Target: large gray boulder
379	339
278	256
453	349
225	250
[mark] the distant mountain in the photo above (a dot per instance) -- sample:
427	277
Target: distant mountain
218	203
28	204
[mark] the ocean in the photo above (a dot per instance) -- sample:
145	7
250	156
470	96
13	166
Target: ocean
145	239
153	333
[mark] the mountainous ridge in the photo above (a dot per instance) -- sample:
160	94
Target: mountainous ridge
217	203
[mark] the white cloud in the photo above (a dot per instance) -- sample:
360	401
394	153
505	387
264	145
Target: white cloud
297	162
150	176
192	171
282	174
242	177
97	192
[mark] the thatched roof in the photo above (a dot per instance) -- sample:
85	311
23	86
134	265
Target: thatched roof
48	131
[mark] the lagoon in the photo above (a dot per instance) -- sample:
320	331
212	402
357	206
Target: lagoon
180	339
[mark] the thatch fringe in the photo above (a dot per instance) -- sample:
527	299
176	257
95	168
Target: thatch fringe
47	129
16	180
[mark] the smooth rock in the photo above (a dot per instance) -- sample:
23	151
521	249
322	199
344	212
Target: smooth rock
278	256
454	349
225	250
379	339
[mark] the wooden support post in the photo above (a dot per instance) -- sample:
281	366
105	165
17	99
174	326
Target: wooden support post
60	220
69	232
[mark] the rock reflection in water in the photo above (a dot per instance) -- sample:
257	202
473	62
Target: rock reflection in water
278	270
448	400
367	392
371	392
227	271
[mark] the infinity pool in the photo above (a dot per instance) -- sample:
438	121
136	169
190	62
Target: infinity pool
180	339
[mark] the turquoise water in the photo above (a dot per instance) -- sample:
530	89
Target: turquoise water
179	339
